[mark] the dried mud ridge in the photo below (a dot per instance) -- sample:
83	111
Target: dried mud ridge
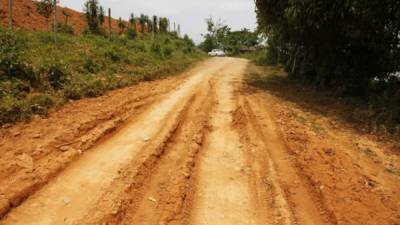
200	148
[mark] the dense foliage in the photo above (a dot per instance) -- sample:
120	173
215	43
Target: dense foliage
341	44
220	36
36	74
350	46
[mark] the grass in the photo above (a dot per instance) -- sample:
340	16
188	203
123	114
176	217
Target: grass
36	74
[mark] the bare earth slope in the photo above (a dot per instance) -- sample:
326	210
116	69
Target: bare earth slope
26	16
200	148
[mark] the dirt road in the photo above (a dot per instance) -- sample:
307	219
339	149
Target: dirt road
200	148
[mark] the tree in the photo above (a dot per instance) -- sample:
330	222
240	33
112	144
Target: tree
101	15
216	32
45	8
132	21
188	40
220	35
155	23
143	20
121	25
94	16
163	24
66	15
336	44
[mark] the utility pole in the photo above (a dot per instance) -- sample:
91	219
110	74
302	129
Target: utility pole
109	24
10	21
174	27
55	20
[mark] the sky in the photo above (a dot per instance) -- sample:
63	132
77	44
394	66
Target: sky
190	14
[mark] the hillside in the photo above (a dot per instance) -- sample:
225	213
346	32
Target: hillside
25	16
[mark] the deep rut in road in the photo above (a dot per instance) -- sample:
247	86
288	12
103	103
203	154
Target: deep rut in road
209	151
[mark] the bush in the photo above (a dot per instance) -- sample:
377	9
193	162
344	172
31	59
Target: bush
113	55
15	88
11	110
91	66
53	72
131	33
89	86
11	47
65	28
40	103
139	47
156	48
168	50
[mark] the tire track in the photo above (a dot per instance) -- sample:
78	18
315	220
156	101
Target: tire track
289	197
78	188
223	194
158	192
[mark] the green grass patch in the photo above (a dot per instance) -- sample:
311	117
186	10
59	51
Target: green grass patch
36	74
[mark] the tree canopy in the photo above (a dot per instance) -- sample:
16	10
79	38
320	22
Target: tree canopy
339	43
221	36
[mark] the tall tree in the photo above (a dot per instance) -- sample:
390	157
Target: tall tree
143	20
94	16
45	8
101	15
121	25
154	24
338	44
132	21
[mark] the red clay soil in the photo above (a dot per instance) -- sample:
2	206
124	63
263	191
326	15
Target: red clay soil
25	16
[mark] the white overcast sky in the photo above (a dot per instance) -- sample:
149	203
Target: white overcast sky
191	14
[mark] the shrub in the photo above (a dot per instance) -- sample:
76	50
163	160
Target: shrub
15	88
88	86
188	50
53	73
11	110
139	46
131	33
168	50
40	103
156	48
113	55
91	66
11	47
65	28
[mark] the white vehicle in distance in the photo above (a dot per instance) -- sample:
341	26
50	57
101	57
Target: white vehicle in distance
217	52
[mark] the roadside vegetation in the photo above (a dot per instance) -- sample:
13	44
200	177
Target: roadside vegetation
36	73
221	36
351	50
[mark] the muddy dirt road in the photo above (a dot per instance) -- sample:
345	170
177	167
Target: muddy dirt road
200	148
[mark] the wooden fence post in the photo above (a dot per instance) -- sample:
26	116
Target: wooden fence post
109	24
55	20
10	19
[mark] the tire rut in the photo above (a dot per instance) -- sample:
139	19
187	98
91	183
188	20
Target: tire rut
289	196
159	191
79	186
